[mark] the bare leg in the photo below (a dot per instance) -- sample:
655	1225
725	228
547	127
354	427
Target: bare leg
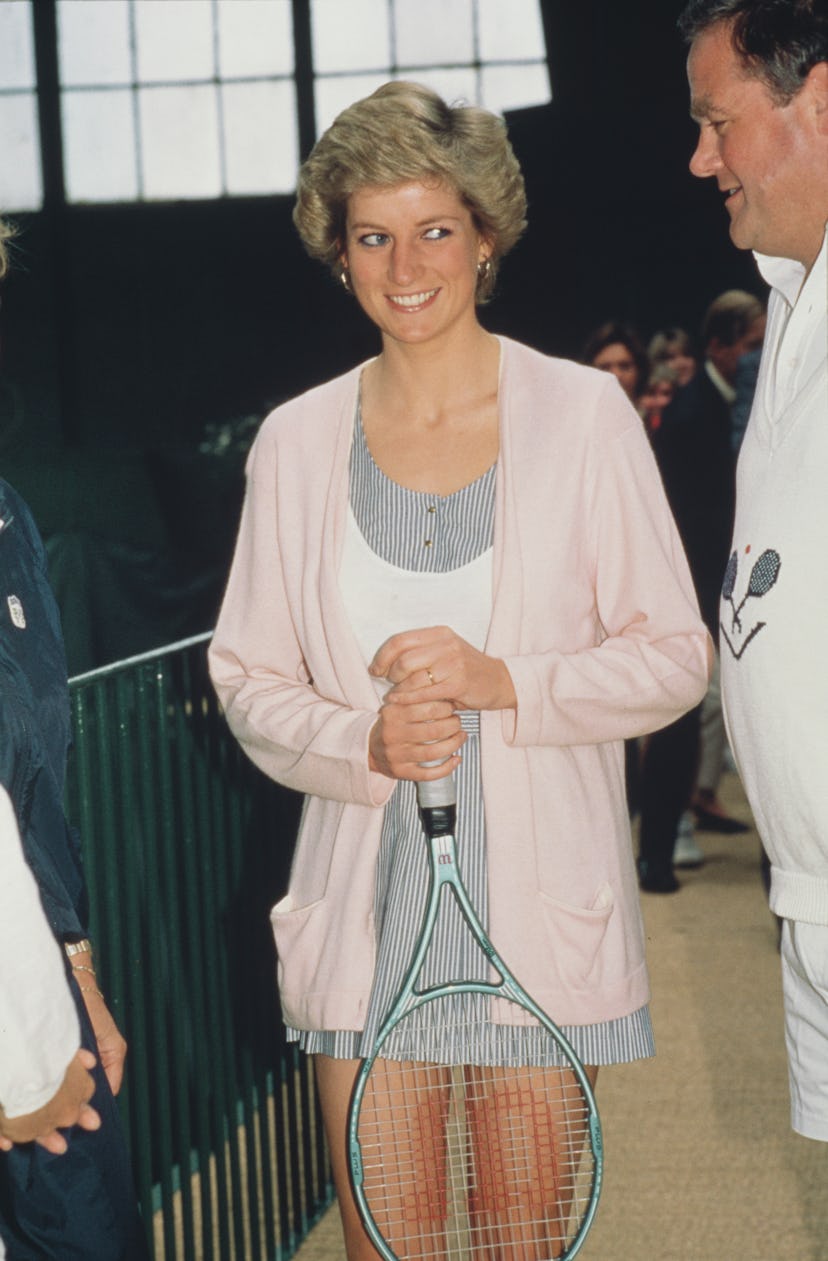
526	1146
335	1081
402	1133
405	1129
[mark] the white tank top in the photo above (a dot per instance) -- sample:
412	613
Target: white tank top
381	600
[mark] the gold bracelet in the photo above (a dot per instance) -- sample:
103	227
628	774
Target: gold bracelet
78	947
90	989
80	967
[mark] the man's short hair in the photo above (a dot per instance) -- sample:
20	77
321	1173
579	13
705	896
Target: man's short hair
729	316
779	41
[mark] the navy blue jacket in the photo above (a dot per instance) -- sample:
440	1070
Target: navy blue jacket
81	1204
34	718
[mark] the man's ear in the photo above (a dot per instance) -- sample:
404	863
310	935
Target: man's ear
817	87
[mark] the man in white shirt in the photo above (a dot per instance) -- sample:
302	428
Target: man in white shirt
758	72
45	1084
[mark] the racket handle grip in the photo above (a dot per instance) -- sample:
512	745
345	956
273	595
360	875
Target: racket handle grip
436	799
436	793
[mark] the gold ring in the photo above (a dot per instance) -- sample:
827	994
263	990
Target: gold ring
430	676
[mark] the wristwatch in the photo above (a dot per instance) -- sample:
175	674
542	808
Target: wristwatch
78	947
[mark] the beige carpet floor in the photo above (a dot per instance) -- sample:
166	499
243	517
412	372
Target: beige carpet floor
701	1164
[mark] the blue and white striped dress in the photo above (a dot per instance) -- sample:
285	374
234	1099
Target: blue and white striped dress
460	529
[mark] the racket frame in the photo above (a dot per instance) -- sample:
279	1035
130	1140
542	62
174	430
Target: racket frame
444	874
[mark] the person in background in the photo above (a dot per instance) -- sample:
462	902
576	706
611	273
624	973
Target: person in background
747	374
83	1205
617	348
694	453
735	312
674	347
460	545
659	391
758	73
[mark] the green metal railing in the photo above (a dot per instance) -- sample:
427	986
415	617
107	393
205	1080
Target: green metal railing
186	846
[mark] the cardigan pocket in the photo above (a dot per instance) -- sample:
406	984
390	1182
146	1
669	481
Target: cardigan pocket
576	935
321	985
291	924
296	931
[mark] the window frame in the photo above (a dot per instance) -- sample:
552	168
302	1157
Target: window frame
50	92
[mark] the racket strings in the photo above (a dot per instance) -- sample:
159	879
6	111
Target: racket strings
479	1161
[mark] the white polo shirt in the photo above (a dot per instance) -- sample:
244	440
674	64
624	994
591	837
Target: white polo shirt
774	606
39	1030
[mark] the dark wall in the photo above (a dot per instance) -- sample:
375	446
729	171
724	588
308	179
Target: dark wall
174	315
618	226
128	331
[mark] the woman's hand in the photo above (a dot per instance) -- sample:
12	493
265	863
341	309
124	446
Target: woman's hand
68	1106
406	736
435	664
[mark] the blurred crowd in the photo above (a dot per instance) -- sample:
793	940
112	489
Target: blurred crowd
693	393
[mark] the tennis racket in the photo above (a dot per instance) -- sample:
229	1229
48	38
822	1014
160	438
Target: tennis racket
468	1159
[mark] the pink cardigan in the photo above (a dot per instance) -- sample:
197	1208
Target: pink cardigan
595	615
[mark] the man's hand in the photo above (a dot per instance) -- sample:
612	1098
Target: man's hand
68	1106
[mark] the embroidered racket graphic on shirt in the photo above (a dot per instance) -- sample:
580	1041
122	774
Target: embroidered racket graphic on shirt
763	575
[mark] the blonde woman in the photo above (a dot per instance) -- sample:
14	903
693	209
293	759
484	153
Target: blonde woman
459	550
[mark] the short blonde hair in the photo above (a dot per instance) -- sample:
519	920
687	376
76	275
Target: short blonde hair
404	132
661	371
6	234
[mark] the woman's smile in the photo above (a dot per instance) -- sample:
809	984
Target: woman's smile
412	301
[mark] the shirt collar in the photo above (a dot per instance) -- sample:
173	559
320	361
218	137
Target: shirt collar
724	387
787	275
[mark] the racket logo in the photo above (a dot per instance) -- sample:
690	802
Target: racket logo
444	851
763	575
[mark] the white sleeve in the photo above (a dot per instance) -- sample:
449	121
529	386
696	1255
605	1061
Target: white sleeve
39	1030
